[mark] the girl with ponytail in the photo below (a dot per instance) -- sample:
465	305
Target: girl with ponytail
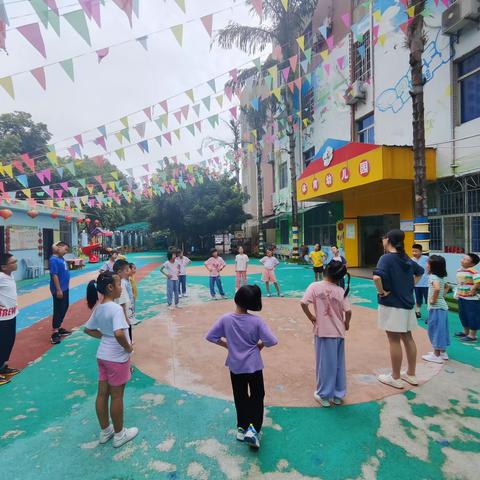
109	325
330	322
395	278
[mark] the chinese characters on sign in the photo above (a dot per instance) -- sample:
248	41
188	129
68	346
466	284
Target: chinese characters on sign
328	179
364	168
315	184
345	175
304	188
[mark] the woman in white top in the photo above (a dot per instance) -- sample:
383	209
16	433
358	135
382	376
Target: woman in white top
109	325
8	315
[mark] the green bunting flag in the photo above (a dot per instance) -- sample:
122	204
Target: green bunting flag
67	66
77	20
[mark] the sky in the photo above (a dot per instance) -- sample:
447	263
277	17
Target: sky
128	79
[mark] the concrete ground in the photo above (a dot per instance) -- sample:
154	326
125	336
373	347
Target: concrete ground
180	397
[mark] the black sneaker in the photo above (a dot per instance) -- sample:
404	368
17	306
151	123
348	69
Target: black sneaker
6	371
418	315
55	339
4	380
63	332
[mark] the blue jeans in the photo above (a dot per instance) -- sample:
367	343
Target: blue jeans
172	289
182	284
216	281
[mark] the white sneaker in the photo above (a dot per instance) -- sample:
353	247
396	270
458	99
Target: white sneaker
324	402
224	297
124	436
185	295
269	294
214	297
411	379
431	357
171	307
389	380
443	356
240	434
178	306
180	295
251	437
106	435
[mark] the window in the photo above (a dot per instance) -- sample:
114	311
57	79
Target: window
283	175
284	232
322	234
366	130
308	156
473	193
475	236
308	105
452	197
454	234
362	59
469	85
436	234
65	232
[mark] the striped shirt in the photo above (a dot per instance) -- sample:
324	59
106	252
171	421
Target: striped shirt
466	279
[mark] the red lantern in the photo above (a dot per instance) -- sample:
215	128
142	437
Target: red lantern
79	220
32	213
68	218
87	221
54	215
5	213
97	222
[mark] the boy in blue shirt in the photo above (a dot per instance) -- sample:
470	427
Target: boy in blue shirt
421	288
59	286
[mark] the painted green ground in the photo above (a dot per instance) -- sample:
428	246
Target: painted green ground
48	428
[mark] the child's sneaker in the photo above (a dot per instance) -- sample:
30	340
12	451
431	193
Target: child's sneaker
185	295
324	402
106	435
460	334
55	339
124	436
214	297
269	294
224	297
444	356
171	307
63	332
4	380
468	339
431	357
8	372
411	379
337	401
178	306
180	295
251	437
240	434
389	380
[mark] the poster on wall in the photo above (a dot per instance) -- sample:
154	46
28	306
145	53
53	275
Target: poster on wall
350	234
23	238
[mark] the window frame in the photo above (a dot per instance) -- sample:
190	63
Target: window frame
460	79
362	130
282	165
362	67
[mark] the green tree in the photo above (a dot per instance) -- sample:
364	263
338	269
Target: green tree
281	27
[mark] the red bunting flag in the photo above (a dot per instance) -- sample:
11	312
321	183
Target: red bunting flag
207	22
39	75
33	34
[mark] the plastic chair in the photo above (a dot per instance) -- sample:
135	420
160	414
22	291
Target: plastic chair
31	270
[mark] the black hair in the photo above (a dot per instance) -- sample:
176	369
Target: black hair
396	238
417	246
112	253
119	264
438	265
4	258
336	271
336	246
249	297
213	250
474	258
170	255
99	285
179	251
62	244
131	265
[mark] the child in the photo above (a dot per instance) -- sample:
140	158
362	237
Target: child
215	265
122	269
468	284
421	287
330	322
317	257
182	262
133	291
241	264
108	265
108	324
437	310
171	270
244	335
270	263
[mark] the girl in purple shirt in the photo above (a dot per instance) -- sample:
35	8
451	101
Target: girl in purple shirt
244	335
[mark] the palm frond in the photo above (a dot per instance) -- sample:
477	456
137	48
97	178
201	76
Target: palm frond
246	38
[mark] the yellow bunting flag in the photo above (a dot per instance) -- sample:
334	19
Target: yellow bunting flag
411	11
377	16
114	174
273	72
27	192
7	84
9	171
124	121
177	31
285	4
324	54
111	185
381	39
119	137
250	148
181	4
301	43
177	133
278	93
52	156
189	94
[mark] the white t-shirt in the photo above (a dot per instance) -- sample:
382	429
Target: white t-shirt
241	262
124	299
107	266
269	262
107	318
171	269
182	263
8	297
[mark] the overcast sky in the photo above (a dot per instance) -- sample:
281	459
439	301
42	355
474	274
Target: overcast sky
128	79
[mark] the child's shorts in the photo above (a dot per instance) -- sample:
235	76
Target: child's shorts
268	276
469	313
114	373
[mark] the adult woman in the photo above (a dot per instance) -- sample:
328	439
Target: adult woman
395	278
336	257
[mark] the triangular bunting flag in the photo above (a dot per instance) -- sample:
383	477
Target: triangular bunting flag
301	42
285	4
67	66
177	31
23	179
120	153
206	102
41	9
127	7
140	128
189	94
258	6
33	34
181	4
143	41
77	20
7	84
211	84
207	22
39	74
219	100
148	112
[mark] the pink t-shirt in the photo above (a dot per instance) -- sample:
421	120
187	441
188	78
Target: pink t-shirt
214	265
330	306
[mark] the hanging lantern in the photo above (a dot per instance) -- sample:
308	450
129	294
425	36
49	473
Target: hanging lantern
54	215
79	220
97	222
68	218
87	221
5	213
32	213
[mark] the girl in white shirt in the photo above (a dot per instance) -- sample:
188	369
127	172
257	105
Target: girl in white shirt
108	324
241	264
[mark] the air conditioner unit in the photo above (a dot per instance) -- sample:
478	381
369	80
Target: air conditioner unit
459	15
356	93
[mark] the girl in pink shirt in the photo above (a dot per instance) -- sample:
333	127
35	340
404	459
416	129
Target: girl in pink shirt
330	322
215	265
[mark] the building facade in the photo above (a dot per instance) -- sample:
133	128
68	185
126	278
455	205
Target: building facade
356	90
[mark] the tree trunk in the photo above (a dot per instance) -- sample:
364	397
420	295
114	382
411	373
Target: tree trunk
260	199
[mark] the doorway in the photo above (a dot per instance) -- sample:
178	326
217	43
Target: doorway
371	231
47	245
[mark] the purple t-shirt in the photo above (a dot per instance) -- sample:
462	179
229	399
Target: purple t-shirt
243	332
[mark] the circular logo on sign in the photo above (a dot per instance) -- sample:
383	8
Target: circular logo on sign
364	168
345	174
304	188
327	156
328	179
315	184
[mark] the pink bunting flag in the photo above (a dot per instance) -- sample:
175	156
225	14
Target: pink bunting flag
101	141
207	22
99	179
41	176
258	6
3	35
102	53
140	128
199	126
28	161
98	160
72	152
346	19
64	185
146	167
92	10
164	105
229	92
148	112
185	110
291	86
326	67
285	73
234	74
293	62
404	3
446	3
341	62
233	112
168	137
178	116
18	165
79	139
375	31
330	42
33	34
47	173
126	6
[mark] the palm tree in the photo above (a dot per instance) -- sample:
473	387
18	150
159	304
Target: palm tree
416	40
282	27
